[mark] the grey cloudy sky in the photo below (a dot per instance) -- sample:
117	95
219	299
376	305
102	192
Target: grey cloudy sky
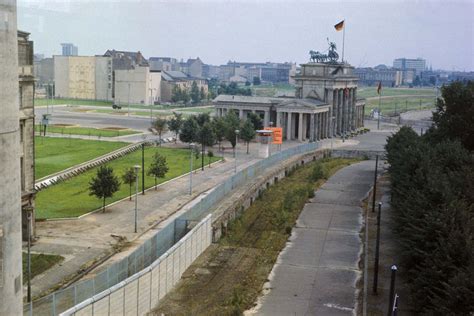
217	31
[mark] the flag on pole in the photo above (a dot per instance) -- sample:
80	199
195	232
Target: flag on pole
339	26
379	88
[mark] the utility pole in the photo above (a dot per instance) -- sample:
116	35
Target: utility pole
377	250
375	183
129	99
143	168
136	167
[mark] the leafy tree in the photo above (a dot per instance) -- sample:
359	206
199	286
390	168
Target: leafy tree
104	184
185	97
129	178
175	123
417	81
189	131
210	154
159	125
203	118
203	94
233	89
256	81
219	125
232	124
176	93
247	83
195	95
256	120
454	115
247	132
206	137
158	167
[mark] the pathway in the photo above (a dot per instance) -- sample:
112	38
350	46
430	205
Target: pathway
317	272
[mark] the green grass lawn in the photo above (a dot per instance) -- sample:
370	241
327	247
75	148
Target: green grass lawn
369	92
399	104
197	110
124	112
60	101
56	154
86	131
71	198
39	264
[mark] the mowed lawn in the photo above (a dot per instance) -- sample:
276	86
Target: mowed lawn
369	92
56	154
400	104
71	198
89	131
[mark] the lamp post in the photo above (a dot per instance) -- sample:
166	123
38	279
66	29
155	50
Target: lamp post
235	152
28	228
151	104
191	146
136	167
332	131
129	99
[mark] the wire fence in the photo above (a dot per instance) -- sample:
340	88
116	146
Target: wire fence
60	301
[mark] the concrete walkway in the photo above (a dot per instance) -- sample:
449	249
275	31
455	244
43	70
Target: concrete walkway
317	272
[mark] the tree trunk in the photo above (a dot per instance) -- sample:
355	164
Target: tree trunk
248	148
103	205
155	183
160	137
209	162
130	191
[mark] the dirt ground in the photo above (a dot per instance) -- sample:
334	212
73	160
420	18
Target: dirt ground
377	304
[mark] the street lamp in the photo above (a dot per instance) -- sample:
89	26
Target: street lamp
29	210
235	147
191	146
151	104
129	99
332	130
136	167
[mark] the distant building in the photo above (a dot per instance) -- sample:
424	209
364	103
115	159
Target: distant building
27	120
83	77
418	64
163	63
69	49
192	67
372	76
171	79
44	71
266	72
138	85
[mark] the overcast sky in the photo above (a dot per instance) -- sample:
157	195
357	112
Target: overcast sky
442	32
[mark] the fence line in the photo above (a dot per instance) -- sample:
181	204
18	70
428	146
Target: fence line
139	293
159	244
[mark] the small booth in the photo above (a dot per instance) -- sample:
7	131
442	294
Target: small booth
265	138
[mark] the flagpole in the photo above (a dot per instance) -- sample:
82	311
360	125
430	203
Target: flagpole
343	39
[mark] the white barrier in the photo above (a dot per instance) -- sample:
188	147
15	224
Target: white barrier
139	293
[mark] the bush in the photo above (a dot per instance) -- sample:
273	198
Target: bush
317	173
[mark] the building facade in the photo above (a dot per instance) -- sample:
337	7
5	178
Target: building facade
172	79
372	76
69	49
325	104
418	64
11	285
26	92
138	85
83	77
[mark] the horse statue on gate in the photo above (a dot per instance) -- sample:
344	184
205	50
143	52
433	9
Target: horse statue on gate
317	56
331	57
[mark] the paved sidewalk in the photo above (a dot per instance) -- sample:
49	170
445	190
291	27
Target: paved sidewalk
316	273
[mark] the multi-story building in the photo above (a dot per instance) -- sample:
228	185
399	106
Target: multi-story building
372	76
44	71
163	63
170	79
83	77
138	85
69	49
27	120
192	67
418	64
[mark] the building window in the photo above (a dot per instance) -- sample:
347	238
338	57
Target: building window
22	174
22	131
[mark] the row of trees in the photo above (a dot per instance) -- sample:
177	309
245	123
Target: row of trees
105	183
432	187
195	95
233	89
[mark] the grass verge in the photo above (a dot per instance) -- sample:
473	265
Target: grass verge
71	198
368	92
39	264
56	154
229	277
89	131
400	104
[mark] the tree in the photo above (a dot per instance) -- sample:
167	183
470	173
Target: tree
247	132
158	167
159	125
206	137
256	81
185	96
203	118
189	131
176	93
256	120
247	83
210	154
232	124
219	125
454	115
203	94
195	95
176	123
104	184
129	178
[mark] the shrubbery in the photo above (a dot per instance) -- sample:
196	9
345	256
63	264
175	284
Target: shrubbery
432	187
